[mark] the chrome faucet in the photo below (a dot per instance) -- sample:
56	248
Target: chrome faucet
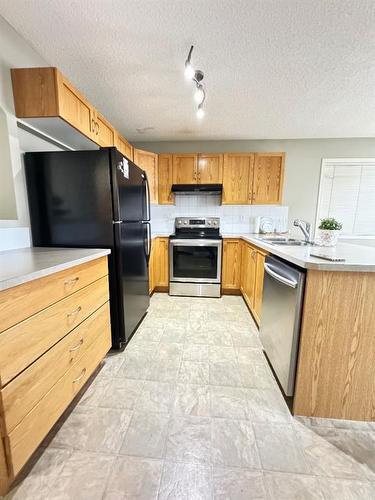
305	227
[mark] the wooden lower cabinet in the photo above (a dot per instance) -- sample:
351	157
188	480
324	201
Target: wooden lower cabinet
159	265
46	358
231	266
243	273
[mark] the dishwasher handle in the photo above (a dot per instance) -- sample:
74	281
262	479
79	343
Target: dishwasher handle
278	277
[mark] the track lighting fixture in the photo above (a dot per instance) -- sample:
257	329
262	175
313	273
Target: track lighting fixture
196	76
200	111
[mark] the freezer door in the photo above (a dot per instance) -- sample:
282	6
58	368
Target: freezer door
70	198
133	272
129	189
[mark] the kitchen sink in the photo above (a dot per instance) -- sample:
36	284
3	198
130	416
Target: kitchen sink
279	240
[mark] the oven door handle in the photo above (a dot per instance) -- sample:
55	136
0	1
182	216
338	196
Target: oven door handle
195	243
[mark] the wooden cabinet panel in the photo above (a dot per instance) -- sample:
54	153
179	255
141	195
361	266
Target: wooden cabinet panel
4	474
31	338
185	168
151	270
22	301
25	391
252	278
161	262
124	147
336	369
149	162
210	168
237	178
268	178
231	269
24	439
105	133
35	92
258	291
165	179
74	108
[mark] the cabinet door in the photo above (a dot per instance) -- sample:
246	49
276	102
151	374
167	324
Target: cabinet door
149	162
258	294
237	178
105	133
74	108
124	147
231	272
165	178
268	178
151	267
210	168
185	168
248	274
160	263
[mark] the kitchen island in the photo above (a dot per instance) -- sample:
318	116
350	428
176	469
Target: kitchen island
54	332
336	356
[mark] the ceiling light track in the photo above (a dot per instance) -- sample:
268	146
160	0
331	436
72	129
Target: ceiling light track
196	76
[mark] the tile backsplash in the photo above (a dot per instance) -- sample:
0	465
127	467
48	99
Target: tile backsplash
233	218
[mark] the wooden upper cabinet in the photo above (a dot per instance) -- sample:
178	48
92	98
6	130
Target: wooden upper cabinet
231	272
185	168
165	179
73	107
268	178
124	147
45	93
104	132
237	177
210	168
149	162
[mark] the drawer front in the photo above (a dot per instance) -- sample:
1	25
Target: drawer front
22	301
26	437
21	395
24	343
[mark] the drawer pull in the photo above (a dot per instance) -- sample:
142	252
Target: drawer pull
75	348
76	311
71	281
78	379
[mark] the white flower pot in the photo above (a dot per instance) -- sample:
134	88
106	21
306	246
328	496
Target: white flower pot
328	237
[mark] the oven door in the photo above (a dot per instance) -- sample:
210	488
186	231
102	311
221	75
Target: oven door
195	261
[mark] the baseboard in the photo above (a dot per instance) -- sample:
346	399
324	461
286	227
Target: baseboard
230	291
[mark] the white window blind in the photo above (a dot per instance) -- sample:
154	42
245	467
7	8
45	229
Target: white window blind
347	193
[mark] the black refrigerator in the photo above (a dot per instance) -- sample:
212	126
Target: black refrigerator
97	199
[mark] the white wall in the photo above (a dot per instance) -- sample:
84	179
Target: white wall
302	167
15	52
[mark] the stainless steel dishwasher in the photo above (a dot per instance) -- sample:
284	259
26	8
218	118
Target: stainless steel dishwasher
281	318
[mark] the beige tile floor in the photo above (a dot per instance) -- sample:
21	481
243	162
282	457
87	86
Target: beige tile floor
191	410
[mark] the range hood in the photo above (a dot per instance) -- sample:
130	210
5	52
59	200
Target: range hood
197	188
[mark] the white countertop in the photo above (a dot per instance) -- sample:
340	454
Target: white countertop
27	264
357	257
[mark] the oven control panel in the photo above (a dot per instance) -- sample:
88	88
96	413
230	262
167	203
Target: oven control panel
197	222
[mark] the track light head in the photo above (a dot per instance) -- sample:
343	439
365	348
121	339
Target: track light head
189	70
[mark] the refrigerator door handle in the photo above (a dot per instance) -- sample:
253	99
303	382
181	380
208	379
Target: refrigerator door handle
148	252
148	198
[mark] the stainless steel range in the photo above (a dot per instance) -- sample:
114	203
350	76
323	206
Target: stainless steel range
195	257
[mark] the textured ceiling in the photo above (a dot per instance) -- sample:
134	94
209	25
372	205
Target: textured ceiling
274	68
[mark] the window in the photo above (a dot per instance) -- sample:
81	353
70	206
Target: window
347	193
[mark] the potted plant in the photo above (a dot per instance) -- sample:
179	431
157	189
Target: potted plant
329	230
